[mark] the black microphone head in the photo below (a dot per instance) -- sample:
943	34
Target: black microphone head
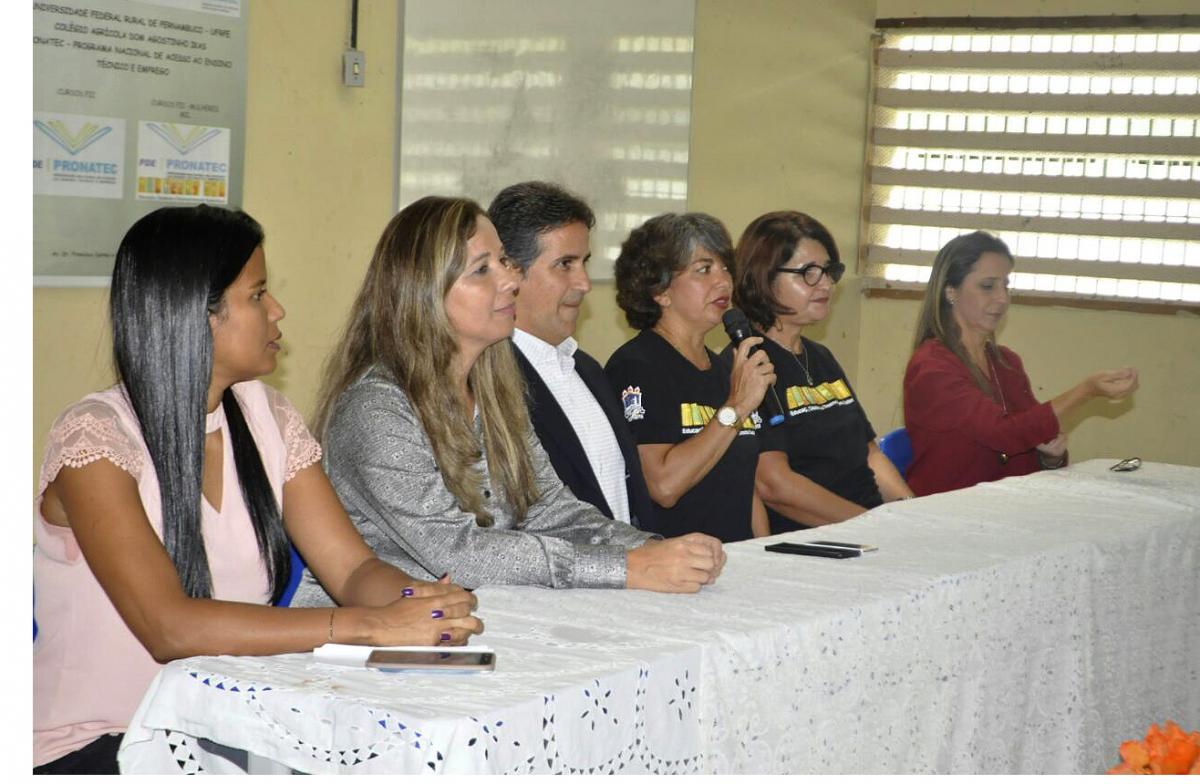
737	326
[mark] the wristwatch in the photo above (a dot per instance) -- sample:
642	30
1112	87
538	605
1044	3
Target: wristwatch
727	416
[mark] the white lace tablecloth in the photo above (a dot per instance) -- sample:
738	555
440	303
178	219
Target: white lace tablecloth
1023	626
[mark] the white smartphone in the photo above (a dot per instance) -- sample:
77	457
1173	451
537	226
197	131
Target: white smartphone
862	548
439	661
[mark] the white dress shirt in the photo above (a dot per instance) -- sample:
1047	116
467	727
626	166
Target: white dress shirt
556	366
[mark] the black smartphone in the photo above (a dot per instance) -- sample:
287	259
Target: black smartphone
410	661
794	548
862	548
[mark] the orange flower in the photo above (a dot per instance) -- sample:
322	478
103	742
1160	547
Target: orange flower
1167	750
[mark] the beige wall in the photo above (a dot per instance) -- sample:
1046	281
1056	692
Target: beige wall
319	176
1060	345
779	114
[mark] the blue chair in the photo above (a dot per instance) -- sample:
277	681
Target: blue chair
898	449
293	579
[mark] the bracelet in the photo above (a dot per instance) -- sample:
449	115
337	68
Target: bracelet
332	610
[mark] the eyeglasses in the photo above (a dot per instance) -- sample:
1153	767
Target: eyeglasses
1128	464
812	272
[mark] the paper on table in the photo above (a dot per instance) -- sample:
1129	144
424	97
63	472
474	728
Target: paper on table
356	655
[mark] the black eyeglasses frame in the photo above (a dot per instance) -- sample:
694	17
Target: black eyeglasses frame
834	269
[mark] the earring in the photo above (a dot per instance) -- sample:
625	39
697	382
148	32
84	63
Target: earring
951	300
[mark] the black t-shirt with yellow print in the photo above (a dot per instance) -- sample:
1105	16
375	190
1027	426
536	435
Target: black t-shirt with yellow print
826	432
667	400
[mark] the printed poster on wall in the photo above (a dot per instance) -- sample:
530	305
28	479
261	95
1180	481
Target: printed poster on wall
183	163
78	155
137	104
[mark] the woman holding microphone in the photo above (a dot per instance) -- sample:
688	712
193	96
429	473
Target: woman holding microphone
690	413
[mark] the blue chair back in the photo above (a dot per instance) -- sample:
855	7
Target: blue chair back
293	579
898	449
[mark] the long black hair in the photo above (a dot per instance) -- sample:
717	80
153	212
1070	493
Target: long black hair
171	272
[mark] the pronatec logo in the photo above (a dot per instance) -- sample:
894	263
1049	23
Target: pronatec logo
73	142
183	143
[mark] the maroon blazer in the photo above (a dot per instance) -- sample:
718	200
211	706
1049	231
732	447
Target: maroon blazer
959	432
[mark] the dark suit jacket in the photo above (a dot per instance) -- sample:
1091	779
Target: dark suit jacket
566	453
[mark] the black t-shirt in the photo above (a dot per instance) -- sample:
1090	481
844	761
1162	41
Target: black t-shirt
667	400
826	432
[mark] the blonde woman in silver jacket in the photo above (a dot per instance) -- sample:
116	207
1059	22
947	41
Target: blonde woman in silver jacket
427	440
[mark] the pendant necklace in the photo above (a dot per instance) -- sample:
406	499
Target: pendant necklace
804	367
1000	392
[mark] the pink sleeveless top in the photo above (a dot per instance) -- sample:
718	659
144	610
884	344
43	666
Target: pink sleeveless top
89	671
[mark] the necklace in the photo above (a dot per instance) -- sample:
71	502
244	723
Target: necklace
804	367
995	379
807	375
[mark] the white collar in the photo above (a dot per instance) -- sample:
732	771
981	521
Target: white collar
539	352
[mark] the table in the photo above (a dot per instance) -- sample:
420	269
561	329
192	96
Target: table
1023	626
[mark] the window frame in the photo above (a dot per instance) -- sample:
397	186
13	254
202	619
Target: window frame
881	179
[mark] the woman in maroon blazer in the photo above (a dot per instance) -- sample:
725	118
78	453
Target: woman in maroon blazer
968	405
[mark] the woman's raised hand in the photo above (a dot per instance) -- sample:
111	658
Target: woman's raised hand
1114	384
434	614
751	376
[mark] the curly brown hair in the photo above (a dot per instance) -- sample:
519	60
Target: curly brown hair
655	252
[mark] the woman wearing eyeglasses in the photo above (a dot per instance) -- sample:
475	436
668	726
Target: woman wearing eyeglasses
821	465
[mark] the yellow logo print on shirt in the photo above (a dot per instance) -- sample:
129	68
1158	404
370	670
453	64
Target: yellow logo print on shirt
825	392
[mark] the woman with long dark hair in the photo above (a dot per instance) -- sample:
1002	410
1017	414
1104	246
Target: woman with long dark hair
968	404
822	464
427	436
166	503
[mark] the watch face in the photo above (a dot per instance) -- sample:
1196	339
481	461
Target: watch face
727	416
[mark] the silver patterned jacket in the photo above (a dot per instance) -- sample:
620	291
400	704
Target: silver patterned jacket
381	463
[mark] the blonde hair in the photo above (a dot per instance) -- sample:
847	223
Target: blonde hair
951	266
399	323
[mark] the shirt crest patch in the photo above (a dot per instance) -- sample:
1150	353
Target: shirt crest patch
631	399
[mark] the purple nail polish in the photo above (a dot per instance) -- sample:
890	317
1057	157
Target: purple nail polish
445	636
437	613
407	592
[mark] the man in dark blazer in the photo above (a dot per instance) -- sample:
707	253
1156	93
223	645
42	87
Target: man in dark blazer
545	231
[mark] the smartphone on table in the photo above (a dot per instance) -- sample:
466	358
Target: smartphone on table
799	548
432	661
862	548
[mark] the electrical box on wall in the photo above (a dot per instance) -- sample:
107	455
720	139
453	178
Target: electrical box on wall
354	68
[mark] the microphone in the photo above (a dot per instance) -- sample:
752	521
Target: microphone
737	327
